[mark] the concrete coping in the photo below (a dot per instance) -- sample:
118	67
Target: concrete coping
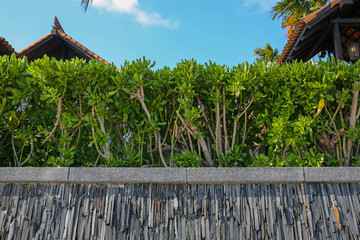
181	175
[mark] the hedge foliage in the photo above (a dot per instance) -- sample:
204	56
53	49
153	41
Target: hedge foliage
73	113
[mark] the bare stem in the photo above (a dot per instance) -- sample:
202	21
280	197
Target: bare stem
16	159
58	115
226	136
218	135
101	121
201	140
161	153
236	122
336	112
352	120
94	137
140	96
206	119
245	126
31	151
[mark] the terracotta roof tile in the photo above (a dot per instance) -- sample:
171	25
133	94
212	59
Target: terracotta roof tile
7	45
291	41
298	28
95	56
35	43
335	2
64	35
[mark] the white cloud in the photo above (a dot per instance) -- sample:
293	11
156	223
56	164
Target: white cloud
260	5
126	6
154	19
132	7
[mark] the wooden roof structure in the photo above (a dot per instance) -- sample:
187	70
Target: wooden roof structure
59	45
6	48
330	28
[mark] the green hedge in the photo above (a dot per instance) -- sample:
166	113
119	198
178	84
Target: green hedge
73	113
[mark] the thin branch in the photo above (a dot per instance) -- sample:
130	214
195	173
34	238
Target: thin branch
352	120
226	136
95	143
16	159
58	115
201	140
236	122
102	128
336	112
357	150
31	151
160	152
141	97
190	141
358	113
245	126
183	122
97	160
183	142
93	134
206	119
42	132
78	124
218	134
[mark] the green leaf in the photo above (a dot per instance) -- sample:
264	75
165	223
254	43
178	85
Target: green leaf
113	92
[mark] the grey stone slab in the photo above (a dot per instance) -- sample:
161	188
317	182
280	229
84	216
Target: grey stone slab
332	174
181	175
34	174
128	175
245	175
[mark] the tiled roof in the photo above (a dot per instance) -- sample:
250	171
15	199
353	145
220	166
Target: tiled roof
70	39
299	27
94	55
7	46
35	43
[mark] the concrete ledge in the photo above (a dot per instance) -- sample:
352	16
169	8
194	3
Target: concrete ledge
127	175
332	174
182	175
245	175
34	174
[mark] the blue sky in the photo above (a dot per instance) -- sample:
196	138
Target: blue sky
225	32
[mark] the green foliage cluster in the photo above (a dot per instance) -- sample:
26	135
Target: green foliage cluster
73	113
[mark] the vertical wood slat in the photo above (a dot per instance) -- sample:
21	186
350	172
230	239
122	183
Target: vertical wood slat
337	42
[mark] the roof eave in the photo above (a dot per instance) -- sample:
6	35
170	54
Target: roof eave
300	28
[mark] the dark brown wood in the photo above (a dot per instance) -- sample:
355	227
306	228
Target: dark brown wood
57	24
346	21
311	40
64	53
311	30
337	42
312	52
345	2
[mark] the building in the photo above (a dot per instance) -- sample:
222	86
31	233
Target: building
59	45
333	29
6	48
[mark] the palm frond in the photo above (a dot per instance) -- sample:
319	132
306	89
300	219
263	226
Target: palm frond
85	4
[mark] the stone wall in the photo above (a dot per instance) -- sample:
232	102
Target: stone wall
179	203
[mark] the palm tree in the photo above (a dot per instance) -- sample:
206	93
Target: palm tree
290	11
85	4
267	53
